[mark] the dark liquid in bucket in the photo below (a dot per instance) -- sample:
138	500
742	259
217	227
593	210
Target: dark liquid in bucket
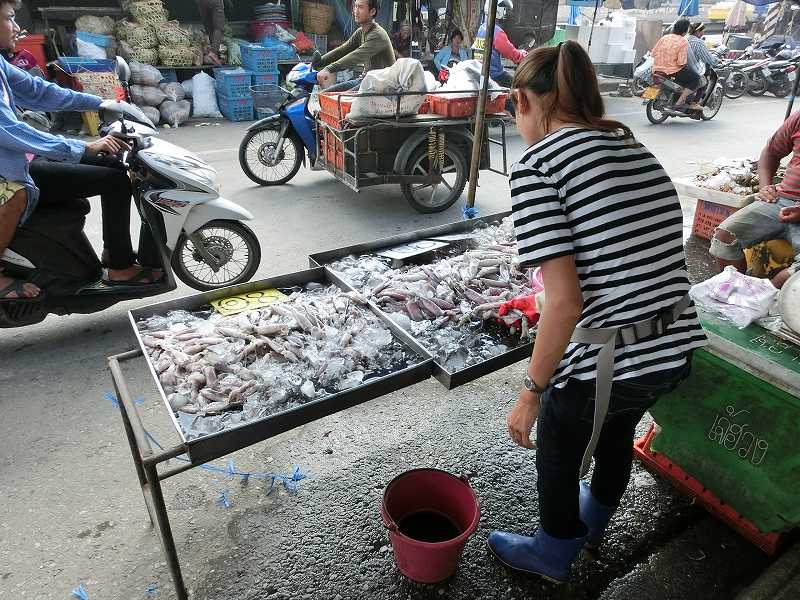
429	526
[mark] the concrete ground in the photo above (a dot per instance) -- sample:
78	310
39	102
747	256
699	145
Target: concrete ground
72	514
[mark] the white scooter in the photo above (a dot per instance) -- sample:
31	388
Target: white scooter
198	234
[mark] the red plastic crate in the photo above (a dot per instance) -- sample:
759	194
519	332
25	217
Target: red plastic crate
661	464
334	153
464	107
333	110
708	216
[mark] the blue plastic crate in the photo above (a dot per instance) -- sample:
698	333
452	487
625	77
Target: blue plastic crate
258	59
266	79
236	109
233	83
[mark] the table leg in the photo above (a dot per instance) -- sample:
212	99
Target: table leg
159	511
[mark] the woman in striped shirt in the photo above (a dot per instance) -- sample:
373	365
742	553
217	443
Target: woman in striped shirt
595	209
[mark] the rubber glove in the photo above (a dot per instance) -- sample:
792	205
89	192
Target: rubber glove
526	305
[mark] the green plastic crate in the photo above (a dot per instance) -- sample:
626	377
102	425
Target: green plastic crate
739	436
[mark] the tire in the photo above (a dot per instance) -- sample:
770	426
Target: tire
655	116
221	237
455	164
638	86
735	85
757	86
782	89
713	105
253	157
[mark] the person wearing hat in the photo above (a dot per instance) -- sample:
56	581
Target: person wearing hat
699	56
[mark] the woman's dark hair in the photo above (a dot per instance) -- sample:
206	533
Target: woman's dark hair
680	27
373	5
564	79
456	33
15	4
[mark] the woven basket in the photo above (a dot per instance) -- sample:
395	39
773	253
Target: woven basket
149	12
317	18
148	56
143	36
176	56
172	34
105	85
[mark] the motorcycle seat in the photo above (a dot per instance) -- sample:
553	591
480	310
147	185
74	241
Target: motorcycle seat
778	65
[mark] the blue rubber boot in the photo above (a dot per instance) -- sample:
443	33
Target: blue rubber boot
541	554
596	516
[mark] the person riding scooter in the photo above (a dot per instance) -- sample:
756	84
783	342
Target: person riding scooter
671	58
369	46
699	57
25	184
502	46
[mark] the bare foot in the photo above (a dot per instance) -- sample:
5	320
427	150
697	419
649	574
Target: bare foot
11	289
135	274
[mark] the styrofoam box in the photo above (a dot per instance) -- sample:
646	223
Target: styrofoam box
630	56
616	35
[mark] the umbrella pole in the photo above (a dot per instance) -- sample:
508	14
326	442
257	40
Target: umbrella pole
480	112
594	18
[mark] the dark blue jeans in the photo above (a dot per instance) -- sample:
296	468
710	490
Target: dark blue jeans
563	432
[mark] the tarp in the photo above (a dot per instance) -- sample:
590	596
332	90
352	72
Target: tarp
574	12
689	8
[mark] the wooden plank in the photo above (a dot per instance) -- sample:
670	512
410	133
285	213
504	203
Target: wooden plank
687	187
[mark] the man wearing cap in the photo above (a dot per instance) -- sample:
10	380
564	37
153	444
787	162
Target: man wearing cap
699	56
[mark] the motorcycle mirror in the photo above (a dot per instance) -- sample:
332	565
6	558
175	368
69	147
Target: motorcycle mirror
112	110
123	70
315	59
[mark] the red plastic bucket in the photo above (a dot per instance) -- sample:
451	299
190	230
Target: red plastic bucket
426	492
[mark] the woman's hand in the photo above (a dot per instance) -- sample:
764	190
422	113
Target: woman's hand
522	417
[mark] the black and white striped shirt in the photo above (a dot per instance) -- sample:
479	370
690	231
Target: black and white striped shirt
607	201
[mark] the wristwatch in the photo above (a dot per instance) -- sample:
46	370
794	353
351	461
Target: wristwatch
531	386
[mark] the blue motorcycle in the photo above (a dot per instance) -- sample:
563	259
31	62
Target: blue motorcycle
426	154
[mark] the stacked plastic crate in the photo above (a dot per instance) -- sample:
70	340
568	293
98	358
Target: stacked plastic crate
233	93
263	64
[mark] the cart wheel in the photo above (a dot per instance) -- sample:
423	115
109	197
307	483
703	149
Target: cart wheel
261	165
431	198
655	116
231	243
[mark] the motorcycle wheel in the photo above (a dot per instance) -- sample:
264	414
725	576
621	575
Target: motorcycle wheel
782	89
655	116
427	198
231	243
713	105
638	86
735	85
757	86
253	157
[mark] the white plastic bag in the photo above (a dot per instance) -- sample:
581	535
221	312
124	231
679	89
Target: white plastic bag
152	113
89	50
187	88
204	96
465	76
739	298
406	75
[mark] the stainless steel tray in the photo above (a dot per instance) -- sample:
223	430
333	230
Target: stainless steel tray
452	233
214	445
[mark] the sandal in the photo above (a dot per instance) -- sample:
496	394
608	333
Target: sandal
16	286
146	273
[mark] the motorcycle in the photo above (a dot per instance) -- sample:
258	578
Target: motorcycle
661	96
198	234
767	75
274	147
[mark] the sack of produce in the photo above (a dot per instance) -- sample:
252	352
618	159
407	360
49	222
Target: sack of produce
143	74
152	113
172	34
89	50
122	28
92	24
143	36
175	113
176	56
142	55
149	12
406	75
204	96
173	90
147	95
